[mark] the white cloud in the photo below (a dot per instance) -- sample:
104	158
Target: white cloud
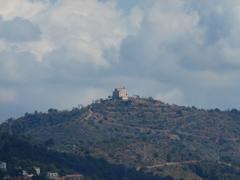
170	22
190	45
10	70
232	55
85	96
135	20
37	48
87	29
62	100
212	79
7	96
171	96
3	45
21	8
182	51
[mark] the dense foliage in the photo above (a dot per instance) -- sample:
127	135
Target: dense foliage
20	154
139	133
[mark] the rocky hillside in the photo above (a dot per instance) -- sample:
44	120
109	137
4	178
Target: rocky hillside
22	155
142	133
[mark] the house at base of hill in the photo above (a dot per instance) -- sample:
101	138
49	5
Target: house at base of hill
74	177
52	175
37	170
3	166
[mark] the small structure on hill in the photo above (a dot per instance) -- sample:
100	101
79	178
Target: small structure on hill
120	93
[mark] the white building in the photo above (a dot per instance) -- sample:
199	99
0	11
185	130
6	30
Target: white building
74	177
52	175
120	93
24	173
3	166
37	170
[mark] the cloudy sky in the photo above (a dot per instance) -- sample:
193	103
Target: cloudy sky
61	53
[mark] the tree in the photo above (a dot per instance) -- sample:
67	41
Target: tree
49	142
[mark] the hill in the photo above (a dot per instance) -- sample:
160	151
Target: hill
22	155
183	142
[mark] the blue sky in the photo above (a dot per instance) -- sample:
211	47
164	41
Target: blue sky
61	53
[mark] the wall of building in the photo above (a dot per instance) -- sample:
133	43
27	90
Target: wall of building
120	93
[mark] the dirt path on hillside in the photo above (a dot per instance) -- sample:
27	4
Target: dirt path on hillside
182	163
90	114
173	164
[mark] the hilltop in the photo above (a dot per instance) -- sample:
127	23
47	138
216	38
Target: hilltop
141	133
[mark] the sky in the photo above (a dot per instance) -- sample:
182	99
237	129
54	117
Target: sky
61	53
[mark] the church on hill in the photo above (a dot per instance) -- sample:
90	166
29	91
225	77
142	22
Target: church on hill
120	93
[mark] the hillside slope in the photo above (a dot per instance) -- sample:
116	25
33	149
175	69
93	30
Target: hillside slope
20	154
144	133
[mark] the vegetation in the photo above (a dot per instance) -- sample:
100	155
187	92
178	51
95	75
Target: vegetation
21	155
183	142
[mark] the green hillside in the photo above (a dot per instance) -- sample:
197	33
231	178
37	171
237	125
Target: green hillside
22	155
183	142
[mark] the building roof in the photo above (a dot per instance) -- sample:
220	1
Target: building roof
73	175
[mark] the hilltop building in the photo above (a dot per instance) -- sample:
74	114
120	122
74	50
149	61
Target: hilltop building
120	93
